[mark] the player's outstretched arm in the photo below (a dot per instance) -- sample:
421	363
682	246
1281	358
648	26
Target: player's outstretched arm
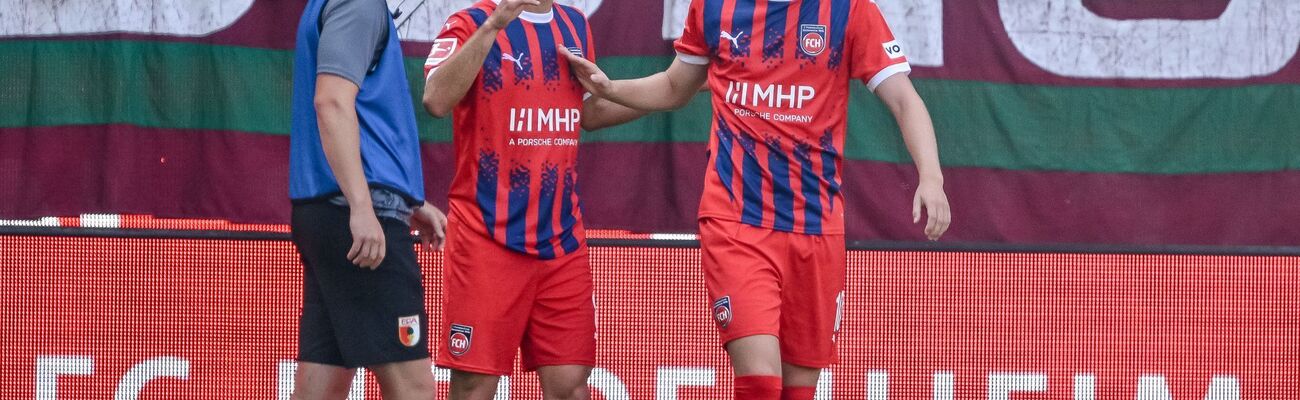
668	90
449	83
600	113
913	118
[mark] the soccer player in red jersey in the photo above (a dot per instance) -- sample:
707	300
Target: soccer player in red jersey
516	272
772	213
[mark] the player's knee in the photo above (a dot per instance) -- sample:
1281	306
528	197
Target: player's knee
472	386
575	389
323	391
565	383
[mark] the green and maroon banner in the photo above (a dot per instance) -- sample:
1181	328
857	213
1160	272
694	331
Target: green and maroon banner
1059	121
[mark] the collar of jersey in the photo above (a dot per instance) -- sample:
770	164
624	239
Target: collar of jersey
536	18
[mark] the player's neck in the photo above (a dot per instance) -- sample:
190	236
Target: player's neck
540	8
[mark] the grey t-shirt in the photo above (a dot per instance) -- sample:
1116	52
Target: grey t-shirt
353	34
352	37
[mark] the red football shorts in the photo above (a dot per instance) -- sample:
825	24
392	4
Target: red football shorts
767	282
497	301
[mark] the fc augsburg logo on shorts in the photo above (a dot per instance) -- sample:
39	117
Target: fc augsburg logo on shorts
408	330
722	311
460	339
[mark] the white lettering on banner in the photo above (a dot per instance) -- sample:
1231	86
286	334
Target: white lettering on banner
825	385
943	385
918	25
1002	385
1251	38
158	367
607	384
877	385
159	17
1222	387
668	379
48	369
286	369
1085	386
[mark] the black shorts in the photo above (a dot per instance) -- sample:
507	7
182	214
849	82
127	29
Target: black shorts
353	316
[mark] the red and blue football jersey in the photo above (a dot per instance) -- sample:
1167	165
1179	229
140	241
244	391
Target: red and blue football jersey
516	131
779	72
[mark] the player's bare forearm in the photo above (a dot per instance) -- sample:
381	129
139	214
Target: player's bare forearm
448	84
917	129
664	91
340	136
599	113
909	110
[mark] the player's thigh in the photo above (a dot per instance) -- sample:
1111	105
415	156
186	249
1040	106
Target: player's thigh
812	300
755	355
406	380
488	292
373	316
562	324
742	280
314	381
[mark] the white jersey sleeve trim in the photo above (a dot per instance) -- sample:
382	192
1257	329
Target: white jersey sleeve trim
692	59
430	74
902	68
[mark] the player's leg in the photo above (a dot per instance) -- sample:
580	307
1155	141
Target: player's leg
321	382
320	372
811	305
564	382
560	343
488	291
798	382
406	380
743	286
473	386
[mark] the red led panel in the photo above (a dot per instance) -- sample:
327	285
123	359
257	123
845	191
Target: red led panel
95	318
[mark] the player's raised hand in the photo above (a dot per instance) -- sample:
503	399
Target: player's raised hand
507	11
432	225
930	196
588	74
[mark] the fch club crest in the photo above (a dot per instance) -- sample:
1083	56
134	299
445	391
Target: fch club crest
408	330
722	311
461	337
812	39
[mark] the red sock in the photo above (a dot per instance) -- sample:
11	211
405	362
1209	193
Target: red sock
758	387
798	392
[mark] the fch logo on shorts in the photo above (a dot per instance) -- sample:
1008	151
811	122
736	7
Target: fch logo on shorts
722	311
460	339
408	330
